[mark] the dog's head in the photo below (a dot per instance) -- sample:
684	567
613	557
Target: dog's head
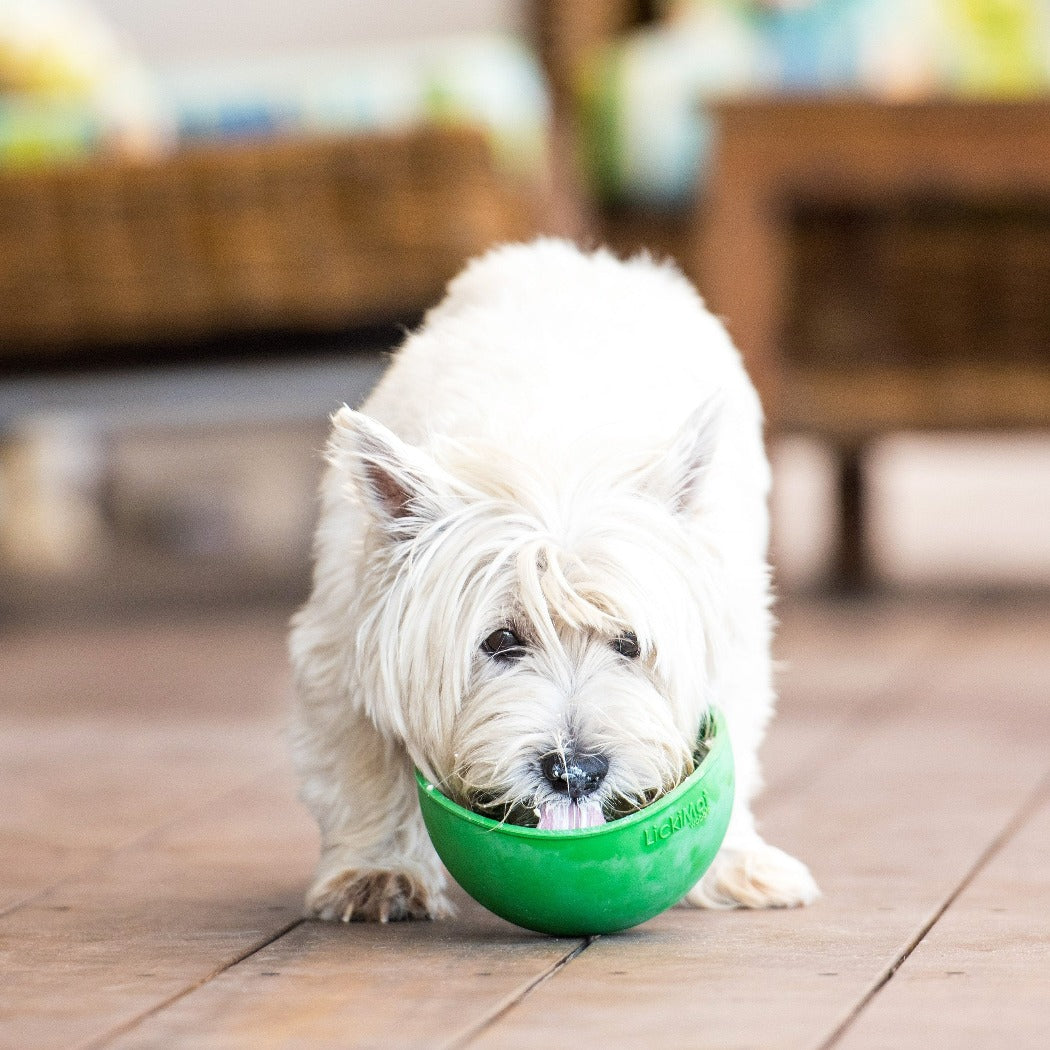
537	632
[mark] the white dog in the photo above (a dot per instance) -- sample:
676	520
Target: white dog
540	559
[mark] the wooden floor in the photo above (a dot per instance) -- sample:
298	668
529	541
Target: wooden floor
153	860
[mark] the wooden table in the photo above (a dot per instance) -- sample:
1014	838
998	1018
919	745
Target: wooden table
781	163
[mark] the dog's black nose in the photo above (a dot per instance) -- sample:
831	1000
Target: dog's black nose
574	775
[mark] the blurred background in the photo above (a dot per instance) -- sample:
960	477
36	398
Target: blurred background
216	220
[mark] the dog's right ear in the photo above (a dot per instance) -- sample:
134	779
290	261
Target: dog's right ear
679	473
402	487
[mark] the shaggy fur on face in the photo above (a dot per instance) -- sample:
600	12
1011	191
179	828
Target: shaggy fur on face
568	457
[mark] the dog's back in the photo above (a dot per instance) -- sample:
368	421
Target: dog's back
579	360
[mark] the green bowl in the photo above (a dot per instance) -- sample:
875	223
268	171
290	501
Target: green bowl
595	880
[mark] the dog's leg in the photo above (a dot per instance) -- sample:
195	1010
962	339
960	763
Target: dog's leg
376	862
748	872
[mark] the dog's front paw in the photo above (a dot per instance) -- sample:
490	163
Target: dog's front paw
756	876
376	895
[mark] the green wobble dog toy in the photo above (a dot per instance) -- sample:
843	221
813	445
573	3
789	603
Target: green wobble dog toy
593	880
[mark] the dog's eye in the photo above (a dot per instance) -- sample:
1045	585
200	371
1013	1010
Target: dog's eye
503	644
627	645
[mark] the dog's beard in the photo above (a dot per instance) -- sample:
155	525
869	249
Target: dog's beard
564	814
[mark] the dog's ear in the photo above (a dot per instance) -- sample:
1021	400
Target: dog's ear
680	474
399	483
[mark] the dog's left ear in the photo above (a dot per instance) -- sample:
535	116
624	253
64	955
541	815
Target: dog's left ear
681	471
399	483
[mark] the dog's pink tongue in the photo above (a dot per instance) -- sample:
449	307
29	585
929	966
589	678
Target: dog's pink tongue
570	816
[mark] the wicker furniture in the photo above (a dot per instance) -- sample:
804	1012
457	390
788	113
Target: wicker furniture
884	267
280	234
234	251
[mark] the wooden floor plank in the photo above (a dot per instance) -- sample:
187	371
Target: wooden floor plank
109	732
120	747
154	919
892	824
216	668
73	793
981	977
836	665
320	987
829	651
327	986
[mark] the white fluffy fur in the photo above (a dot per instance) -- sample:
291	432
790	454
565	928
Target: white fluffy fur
569	446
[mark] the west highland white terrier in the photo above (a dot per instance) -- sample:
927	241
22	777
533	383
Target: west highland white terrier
541	558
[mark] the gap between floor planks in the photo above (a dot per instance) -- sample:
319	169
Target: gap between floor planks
96	704
983	1000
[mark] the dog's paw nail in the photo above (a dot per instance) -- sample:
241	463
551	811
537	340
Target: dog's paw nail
377	896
